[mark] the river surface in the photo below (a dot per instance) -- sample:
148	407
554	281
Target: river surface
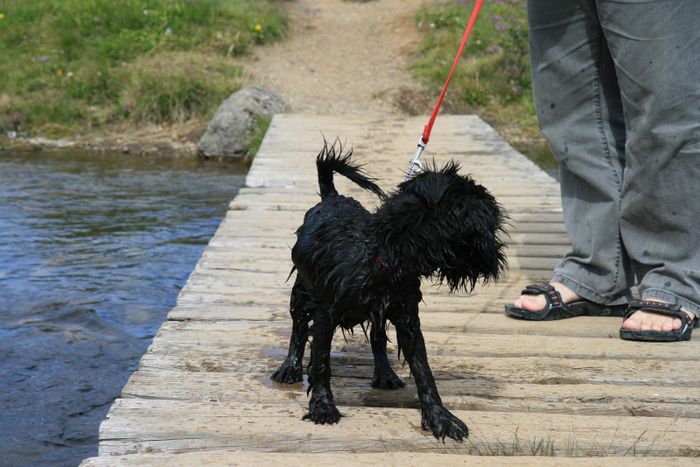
93	252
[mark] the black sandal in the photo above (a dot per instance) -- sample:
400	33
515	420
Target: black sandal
667	309
555	308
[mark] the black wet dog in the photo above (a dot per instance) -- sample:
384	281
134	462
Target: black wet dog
355	267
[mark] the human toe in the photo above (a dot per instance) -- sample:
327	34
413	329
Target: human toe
531	302
670	324
633	323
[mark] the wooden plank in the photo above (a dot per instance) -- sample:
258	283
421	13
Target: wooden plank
474	394
544	370
220	457
458	349
194	292
436	319
278	427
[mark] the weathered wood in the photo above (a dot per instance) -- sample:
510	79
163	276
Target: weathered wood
202	394
481	394
179	426
442	344
232	457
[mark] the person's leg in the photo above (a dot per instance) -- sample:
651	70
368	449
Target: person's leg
656	50
580	114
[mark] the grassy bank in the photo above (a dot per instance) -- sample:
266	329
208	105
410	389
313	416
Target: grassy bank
493	78
71	66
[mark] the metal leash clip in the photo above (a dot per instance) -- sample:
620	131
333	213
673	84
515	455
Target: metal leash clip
416	166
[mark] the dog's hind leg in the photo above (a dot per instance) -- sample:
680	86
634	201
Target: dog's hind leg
384	376
322	407
435	416
301	305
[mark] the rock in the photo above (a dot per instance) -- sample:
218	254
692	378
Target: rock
235	122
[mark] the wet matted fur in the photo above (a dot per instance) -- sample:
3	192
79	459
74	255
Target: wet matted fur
356	267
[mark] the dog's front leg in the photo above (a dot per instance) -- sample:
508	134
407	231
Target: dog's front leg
322	408
384	375
301	304
435	416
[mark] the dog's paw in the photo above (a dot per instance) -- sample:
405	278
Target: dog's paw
387	380
322	411
443	424
288	373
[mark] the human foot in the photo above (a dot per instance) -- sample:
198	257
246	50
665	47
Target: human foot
538	302
546	302
645	320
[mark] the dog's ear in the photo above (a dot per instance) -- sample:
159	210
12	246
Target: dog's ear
432	184
473	250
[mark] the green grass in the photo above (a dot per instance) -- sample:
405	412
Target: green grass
72	65
262	124
493	77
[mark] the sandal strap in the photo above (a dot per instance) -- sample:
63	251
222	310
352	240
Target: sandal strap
551	295
668	309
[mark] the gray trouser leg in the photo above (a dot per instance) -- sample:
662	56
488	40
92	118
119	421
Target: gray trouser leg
656	49
580	113
617	90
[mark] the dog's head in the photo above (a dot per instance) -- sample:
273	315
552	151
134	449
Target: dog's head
443	225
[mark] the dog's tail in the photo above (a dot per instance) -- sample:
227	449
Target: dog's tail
331	160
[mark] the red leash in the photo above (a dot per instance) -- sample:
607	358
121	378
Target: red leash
425	137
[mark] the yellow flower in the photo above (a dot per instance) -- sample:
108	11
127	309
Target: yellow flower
2	16
258	27
59	72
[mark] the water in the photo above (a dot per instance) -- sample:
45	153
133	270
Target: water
93	252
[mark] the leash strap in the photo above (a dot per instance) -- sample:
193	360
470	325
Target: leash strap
425	137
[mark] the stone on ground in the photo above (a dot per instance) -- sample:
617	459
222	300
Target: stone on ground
230	131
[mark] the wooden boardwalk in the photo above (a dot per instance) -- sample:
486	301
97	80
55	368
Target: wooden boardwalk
202	395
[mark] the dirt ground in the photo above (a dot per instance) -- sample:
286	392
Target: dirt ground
344	57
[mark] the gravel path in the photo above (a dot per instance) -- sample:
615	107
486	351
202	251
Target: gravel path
344	58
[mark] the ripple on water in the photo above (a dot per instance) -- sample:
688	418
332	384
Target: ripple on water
93	251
